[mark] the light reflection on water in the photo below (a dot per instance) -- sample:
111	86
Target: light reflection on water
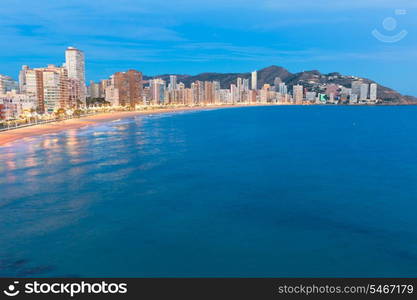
242	192
49	183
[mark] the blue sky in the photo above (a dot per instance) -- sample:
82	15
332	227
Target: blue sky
189	37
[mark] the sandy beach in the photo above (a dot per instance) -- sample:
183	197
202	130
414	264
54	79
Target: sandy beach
7	137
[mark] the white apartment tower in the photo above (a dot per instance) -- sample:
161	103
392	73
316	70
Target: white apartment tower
373	92
246	84
356	88
172	82
254	80
75	65
364	91
282	88
298	94
157	90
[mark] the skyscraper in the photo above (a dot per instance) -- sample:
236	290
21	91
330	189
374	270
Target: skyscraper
356	88
282	88
53	96
111	93
34	87
373	92
239	84
234	93
246	84
130	86
216	91
172	82
364	91
157	87
50	86
254	81
75	65
208	92
298	94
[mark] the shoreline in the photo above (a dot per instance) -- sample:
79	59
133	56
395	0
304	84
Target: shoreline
10	136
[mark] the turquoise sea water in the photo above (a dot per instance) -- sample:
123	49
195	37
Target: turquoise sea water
246	192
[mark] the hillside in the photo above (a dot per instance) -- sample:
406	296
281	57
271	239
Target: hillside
310	79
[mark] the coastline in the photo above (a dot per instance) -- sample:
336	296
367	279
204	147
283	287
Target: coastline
10	136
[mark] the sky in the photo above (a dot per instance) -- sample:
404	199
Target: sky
376	39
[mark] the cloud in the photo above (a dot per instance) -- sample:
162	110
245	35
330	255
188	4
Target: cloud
86	18
208	34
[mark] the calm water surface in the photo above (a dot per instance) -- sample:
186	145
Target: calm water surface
261	191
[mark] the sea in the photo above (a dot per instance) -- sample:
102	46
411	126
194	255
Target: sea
274	191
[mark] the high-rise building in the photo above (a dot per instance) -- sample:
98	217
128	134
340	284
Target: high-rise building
75	65
111	93
51	90
224	96
254	80
48	86
172	82
208	92
234	93
130	87
33	84
246	84
216	91
239	84
356	87
373	92
198	92
157	89
240	89
265	93
282	88
364	91
55	88
252	96
298	94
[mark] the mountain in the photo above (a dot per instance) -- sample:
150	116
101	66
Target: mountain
312	79
309	79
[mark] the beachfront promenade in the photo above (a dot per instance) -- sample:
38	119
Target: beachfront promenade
36	119
12	133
